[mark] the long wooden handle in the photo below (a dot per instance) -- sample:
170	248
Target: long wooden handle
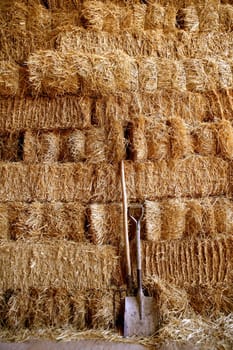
125	223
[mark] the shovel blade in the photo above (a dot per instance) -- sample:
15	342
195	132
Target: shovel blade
149	323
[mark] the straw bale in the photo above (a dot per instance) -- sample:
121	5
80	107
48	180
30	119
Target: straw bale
212	73
105	223
49	307
187	105
152	220
219	75
57	264
115	109
116	142
196	79
181	143
191	176
4	221
38	20
208	217
196	262
155	14
187	19
219	104
193	220
225	139
46	182
158	141
226	17
173	213
170	17
138	139
9	78
149	184
44	220
125	70
205	139
41	146
10	146
103	307
210	301
225	74
147	75
26	220
198	176
63	19
95	146
32	113
106	183
93	13
171	75
53	73
78	309
209	17
223	212
63	4
133	17
76	141
98	75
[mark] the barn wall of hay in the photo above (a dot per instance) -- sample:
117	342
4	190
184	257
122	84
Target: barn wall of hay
84	85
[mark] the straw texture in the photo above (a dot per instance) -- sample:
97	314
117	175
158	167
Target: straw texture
64	265
47	220
193	262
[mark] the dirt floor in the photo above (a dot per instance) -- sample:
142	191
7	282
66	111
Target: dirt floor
72	345
86	345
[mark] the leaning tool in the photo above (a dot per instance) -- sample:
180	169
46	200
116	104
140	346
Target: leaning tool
141	312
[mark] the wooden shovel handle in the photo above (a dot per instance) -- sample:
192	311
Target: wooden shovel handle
125	223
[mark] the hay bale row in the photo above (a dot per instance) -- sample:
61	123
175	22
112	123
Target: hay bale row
179	218
157	139
35	308
47	220
150	138
164	220
190	106
32	113
93	145
192	176
83	112
64	182
107	16
204	262
174	46
58	264
57	73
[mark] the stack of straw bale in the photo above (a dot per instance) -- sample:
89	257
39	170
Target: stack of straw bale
83	86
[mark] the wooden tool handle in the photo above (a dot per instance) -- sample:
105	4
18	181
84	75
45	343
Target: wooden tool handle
125	223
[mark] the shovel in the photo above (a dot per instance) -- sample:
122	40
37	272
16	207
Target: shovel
141	314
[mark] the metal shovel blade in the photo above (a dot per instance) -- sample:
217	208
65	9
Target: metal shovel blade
149	323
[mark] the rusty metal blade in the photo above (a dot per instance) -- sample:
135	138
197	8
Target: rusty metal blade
149	323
